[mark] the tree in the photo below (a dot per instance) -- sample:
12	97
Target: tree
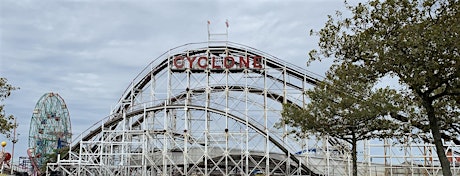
346	108
6	121
53	157
415	41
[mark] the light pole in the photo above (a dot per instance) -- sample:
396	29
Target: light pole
14	142
3	143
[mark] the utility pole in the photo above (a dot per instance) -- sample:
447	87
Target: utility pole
3	143
14	142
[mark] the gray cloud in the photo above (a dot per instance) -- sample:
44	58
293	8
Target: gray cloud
89	51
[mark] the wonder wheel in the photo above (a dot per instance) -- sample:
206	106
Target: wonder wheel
49	128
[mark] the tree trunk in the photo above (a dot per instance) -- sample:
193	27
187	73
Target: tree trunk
354	155
434	126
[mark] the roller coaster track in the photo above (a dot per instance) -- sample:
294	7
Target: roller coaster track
270	62
181	96
165	63
231	116
137	86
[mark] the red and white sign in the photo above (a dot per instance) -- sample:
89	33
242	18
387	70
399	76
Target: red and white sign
229	62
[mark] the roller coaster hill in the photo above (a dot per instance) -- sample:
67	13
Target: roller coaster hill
214	108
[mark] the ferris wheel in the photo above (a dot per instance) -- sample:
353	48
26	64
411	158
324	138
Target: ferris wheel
49	127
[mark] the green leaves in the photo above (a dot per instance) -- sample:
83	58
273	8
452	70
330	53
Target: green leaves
6	121
346	106
341	104
5	89
415	41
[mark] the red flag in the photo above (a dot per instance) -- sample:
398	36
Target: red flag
209	22
226	23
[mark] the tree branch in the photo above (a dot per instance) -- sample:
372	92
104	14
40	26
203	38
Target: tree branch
421	127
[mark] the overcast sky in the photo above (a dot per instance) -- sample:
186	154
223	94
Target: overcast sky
88	52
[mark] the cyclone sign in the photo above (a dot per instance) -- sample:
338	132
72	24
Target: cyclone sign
227	62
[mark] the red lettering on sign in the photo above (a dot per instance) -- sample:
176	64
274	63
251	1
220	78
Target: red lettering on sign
244	63
190	61
229	62
200	62
214	66
179	64
256	62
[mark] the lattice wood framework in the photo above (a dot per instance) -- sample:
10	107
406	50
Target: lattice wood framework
202	108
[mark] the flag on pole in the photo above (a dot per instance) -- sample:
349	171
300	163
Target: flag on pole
209	22
226	23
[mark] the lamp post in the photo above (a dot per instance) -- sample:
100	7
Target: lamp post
3	143
14	142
